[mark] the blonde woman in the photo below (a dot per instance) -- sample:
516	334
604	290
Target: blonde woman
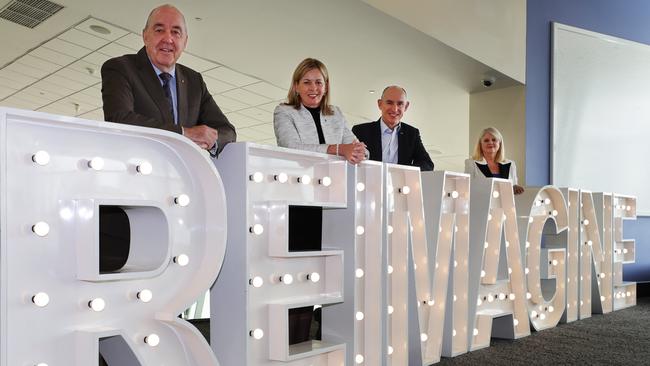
307	121
489	159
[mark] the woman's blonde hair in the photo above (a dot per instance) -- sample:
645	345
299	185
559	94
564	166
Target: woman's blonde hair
501	153
308	64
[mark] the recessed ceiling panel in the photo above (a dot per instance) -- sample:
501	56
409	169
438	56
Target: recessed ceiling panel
95	115
22	69
95	90
41	93
270	107
229	104
260	132
52	56
250	133
258	114
87	68
17	102
79	77
240	120
90	100
15	80
38	63
355	119
196	63
216	86
231	76
66	48
33	97
265	89
270	141
245	96
97	58
65	83
115	50
266	129
53	88
83	39
78	106
5	91
243	136
59	108
131	40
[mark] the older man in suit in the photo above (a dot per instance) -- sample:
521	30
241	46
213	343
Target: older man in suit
150	89
389	139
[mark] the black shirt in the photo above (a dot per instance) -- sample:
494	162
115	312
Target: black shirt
315	113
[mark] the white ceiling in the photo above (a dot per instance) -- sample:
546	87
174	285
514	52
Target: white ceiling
62	76
246	51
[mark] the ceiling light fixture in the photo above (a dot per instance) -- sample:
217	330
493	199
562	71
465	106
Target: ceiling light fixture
99	29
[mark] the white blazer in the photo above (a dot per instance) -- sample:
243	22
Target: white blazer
474	171
295	128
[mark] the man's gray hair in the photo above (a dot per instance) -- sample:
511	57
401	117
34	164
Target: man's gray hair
147	24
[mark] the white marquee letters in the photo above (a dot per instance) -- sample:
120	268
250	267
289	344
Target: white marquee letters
55	303
413	266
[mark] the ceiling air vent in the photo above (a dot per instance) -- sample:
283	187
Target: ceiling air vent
29	13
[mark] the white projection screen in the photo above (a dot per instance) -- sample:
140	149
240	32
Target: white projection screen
601	114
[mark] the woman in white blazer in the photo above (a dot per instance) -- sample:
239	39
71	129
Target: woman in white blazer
308	122
489	159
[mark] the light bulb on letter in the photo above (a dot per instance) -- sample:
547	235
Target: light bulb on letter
41	157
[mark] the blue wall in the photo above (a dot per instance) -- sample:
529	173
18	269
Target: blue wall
628	19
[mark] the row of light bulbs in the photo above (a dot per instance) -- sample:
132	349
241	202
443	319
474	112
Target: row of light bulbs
42	158
258	177
258	229
624	207
622	294
359	273
491	297
286	279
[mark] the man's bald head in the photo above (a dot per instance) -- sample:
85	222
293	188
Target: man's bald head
392	87
392	105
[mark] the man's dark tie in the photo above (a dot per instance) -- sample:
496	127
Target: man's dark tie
166	78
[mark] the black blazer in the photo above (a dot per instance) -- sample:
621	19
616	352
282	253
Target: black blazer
133	94
410	150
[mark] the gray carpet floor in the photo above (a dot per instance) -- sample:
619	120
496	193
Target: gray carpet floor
618	338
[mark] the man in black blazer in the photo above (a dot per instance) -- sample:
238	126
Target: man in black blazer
390	140
149	89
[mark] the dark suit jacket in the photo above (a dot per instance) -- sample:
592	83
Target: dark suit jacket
133	94
410	150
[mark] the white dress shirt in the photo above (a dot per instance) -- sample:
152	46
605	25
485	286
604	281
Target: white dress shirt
389	142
